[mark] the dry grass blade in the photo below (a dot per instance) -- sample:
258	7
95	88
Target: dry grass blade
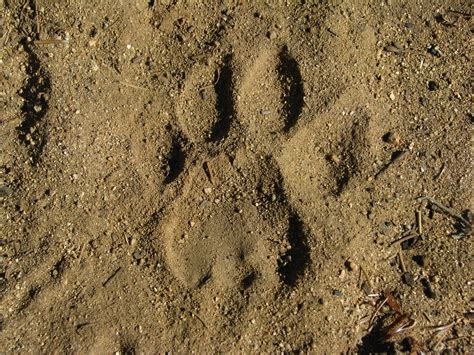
393	304
401	324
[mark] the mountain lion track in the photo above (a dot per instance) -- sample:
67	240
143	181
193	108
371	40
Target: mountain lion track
236	228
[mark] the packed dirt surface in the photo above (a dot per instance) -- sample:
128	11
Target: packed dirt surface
244	176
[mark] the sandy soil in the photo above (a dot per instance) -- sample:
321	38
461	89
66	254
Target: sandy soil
235	176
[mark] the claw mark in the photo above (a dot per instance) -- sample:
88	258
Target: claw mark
176	160
28	298
224	102
292	85
295	261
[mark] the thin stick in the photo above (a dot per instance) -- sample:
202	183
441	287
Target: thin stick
7	36
444	327
427	317
366	277
401	240
396	156
441	171
38	32
402	263
419	222
208	170
379	307
445	209
195	315
111	276
50	41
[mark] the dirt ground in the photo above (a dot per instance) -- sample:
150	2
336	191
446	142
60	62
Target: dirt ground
236	176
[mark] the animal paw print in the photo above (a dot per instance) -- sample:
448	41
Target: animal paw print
231	223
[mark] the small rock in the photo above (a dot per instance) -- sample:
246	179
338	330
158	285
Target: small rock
392	96
37	108
385	227
428	289
395	47
392	49
370	215
337	293
272	35
366	288
350	265
434	50
207	190
392	138
137	255
334	158
409	279
408	244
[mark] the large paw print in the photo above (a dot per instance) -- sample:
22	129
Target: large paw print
232	224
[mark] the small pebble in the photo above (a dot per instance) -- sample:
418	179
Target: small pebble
334	158
434	50
207	190
392	49
392	96
392	138
385	227
395	47
350	265
428	289
407	244
337	293
137	255
272	35
409	279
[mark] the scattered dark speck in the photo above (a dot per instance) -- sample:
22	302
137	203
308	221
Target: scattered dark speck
432	85
434	50
337	293
428	289
408	244
420	260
